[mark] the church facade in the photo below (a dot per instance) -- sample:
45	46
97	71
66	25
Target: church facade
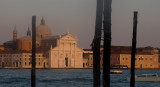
59	51
66	54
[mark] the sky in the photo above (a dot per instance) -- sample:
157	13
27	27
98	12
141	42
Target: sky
79	17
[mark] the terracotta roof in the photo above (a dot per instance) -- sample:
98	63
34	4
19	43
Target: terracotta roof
128	49
51	37
13	51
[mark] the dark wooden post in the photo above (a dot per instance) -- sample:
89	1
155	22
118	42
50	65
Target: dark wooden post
132	81
107	43
33	72
96	44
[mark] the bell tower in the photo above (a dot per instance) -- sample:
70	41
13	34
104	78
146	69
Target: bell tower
28	32
15	34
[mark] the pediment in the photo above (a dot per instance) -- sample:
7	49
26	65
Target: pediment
68	37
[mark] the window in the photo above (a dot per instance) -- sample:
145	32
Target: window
140	58
25	63
39	63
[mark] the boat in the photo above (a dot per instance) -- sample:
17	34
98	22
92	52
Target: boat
115	72
117	66
146	78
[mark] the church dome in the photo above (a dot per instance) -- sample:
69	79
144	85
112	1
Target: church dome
43	30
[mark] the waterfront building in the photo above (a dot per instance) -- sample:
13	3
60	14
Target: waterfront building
66	53
87	58
21	59
59	51
142	61
146	58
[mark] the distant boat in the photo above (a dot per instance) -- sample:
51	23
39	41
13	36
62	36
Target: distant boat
117	66
146	78
115	72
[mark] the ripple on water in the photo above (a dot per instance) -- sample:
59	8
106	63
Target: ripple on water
66	78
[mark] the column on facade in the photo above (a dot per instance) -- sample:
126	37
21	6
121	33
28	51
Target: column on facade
58	53
74	54
70	54
63	56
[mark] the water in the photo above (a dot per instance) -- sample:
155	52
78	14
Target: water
66	78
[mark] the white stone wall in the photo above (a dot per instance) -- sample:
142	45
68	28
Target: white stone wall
66	49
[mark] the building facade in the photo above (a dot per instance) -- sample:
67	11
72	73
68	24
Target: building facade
59	51
142	61
66	54
146	58
21	59
87	58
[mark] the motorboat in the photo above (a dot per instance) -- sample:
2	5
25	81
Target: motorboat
146	78
115	72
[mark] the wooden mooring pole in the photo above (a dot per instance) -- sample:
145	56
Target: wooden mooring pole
96	44
107	43
132	81
33	72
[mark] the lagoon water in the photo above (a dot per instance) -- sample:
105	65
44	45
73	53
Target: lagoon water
66	78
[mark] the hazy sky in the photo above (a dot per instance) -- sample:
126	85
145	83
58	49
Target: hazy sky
79	17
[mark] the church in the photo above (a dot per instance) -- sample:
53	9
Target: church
59	51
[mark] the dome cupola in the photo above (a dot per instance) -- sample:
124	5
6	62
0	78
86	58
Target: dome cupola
43	30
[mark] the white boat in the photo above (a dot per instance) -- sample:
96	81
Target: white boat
146	78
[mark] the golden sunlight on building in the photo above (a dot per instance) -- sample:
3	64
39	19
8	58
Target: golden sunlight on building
59	51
